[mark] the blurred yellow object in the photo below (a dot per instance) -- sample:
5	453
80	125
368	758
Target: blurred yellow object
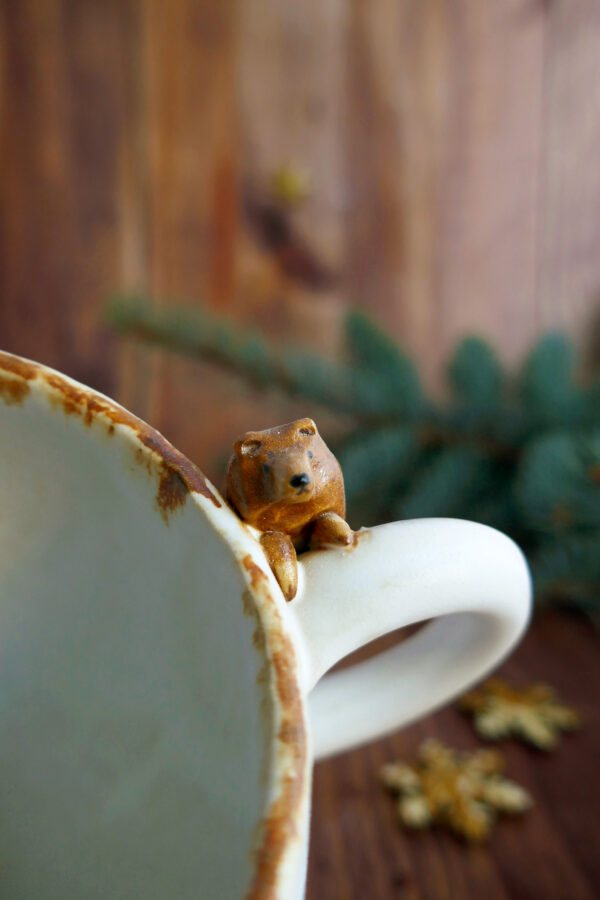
291	185
532	713
460	791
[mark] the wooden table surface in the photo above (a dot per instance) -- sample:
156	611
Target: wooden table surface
360	852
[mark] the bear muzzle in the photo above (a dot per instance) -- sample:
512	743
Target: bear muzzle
300	481
293	483
302	487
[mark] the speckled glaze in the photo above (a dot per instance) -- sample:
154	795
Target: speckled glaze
157	731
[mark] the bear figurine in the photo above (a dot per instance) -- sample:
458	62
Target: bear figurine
286	482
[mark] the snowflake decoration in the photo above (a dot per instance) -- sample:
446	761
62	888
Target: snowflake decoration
533	713
461	791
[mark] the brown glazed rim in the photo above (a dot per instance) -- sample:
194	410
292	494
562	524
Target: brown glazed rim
278	833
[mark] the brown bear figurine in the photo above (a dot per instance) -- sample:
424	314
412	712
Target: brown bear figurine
288	484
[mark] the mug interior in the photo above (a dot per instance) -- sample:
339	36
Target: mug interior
136	747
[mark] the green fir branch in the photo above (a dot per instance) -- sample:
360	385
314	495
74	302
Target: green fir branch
476	376
547	386
450	480
558	483
363	392
521	452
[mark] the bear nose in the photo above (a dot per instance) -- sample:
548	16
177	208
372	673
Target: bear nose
300	480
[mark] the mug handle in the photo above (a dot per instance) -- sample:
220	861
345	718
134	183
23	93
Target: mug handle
474	578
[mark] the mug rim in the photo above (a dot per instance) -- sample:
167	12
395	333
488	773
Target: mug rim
279	844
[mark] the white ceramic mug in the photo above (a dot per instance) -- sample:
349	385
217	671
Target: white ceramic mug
159	714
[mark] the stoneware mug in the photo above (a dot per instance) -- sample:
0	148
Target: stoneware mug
161	704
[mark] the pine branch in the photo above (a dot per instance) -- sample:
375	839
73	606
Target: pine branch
569	568
476	376
375	355
547	385
557	485
521	453
377	465
262	363
450	480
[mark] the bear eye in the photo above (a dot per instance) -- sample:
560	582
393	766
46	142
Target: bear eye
251	446
266	469
310	454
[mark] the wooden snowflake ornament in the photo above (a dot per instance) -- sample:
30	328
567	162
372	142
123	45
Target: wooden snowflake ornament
533	713
463	792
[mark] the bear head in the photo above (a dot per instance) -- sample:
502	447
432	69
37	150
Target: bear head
281	478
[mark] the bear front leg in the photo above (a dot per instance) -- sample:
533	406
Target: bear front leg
330	528
281	555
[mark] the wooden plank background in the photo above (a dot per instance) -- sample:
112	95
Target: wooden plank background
453	149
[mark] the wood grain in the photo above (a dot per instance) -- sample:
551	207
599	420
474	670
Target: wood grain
359	850
490	177
59	138
569	261
452	149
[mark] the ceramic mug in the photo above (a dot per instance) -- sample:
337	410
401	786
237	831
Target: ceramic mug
159	701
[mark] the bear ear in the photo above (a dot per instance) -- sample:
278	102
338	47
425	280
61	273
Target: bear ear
306	426
247	446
